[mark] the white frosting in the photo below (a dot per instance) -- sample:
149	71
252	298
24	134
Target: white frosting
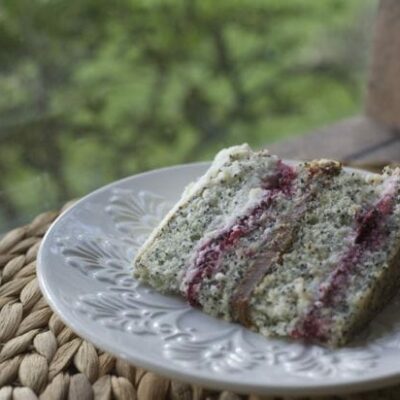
214	172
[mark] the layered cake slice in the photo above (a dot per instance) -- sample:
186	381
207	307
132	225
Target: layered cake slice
308	251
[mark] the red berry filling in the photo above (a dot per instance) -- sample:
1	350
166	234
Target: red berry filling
370	232
210	253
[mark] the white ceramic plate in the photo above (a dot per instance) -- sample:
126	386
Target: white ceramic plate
84	271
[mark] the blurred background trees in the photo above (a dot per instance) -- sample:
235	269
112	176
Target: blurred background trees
94	90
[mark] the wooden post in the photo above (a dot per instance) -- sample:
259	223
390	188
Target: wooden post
383	94
373	136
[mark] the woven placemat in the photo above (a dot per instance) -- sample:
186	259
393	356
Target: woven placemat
42	358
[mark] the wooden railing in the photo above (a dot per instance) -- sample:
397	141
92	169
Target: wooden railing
374	135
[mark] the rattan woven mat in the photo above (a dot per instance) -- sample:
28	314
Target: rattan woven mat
42	358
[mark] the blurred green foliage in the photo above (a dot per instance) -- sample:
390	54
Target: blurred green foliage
94	90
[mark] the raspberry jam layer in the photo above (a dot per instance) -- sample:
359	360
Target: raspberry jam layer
210	253
269	256
369	234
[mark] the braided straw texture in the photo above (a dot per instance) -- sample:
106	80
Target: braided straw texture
41	358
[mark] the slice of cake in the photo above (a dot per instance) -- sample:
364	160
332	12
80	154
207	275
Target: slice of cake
308	251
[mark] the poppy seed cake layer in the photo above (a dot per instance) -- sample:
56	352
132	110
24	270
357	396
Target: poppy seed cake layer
306	251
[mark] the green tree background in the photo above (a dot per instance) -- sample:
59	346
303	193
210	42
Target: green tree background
94	90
